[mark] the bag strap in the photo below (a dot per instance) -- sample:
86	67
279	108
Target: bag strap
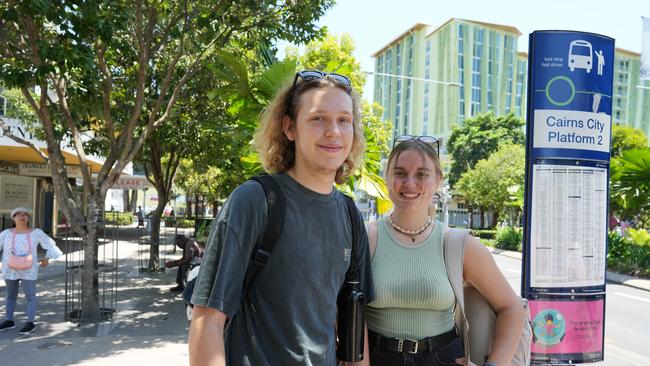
353	273
453	251
275	203
29	241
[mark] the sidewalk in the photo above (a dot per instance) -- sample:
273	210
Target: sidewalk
639	283
150	325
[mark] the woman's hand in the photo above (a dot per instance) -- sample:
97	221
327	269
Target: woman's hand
44	262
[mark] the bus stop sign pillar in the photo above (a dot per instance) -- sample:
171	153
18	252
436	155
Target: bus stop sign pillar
567	178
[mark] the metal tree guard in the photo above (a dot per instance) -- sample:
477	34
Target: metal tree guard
105	272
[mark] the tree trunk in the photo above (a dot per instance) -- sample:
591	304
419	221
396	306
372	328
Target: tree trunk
482	213
154	247
126	200
197	210
495	217
134	200
90	310
188	207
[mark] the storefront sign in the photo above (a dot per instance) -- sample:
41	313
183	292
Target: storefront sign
132	182
44	170
16	191
9	168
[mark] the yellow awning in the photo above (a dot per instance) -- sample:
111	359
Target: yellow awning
24	154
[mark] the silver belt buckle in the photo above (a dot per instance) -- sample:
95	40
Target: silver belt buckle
415	349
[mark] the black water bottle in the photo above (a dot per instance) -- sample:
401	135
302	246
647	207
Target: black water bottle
351	319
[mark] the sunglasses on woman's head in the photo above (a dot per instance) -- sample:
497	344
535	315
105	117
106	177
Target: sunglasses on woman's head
429	140
311	75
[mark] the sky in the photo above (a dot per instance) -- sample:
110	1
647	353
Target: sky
374	23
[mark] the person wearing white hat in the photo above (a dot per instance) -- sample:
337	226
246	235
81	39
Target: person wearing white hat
18	251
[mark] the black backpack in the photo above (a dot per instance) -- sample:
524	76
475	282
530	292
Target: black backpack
276	209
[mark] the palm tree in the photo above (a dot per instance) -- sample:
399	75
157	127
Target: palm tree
630	185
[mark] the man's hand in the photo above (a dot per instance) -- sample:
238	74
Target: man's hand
45	262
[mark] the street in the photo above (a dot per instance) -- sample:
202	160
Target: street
626	318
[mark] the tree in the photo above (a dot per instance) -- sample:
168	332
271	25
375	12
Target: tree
630	185
627	138
479	137
490	184
332	54
114	70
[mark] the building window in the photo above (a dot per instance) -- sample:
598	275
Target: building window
398	60
388	65
509	50
427	74
477	58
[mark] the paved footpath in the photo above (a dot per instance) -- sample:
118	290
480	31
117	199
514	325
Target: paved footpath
150	326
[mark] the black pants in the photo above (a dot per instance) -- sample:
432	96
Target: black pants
181	274
443	356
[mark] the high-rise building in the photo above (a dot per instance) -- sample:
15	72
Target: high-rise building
630	103
430	78
459	69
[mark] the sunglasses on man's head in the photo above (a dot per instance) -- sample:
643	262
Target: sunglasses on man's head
429	140
312	75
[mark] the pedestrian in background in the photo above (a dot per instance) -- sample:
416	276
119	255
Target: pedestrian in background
140	215
192	254
18	247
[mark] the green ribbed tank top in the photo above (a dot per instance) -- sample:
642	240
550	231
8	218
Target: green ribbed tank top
413	296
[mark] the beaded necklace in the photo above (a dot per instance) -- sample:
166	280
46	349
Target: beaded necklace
411	233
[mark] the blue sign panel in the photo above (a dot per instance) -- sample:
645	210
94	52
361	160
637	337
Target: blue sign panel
571	94
567	178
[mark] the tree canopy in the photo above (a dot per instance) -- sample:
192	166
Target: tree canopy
103	75
494	182
332	54
479	137
627	138
630	185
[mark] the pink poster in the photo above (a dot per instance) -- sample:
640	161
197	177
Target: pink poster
567	327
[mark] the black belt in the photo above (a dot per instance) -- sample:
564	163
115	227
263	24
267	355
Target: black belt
410	345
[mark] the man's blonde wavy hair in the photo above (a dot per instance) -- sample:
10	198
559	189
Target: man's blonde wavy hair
277	152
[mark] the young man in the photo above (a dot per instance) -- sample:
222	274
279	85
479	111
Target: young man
311	137
192	253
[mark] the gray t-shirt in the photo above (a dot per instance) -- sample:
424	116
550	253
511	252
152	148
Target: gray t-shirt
293	313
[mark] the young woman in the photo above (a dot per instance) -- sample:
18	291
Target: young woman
23	243
411	321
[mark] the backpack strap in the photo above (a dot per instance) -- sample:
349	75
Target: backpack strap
275	203
454	250
353	273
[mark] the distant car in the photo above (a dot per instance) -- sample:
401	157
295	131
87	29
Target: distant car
580	55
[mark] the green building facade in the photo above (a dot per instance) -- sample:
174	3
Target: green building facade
465	67
631	99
